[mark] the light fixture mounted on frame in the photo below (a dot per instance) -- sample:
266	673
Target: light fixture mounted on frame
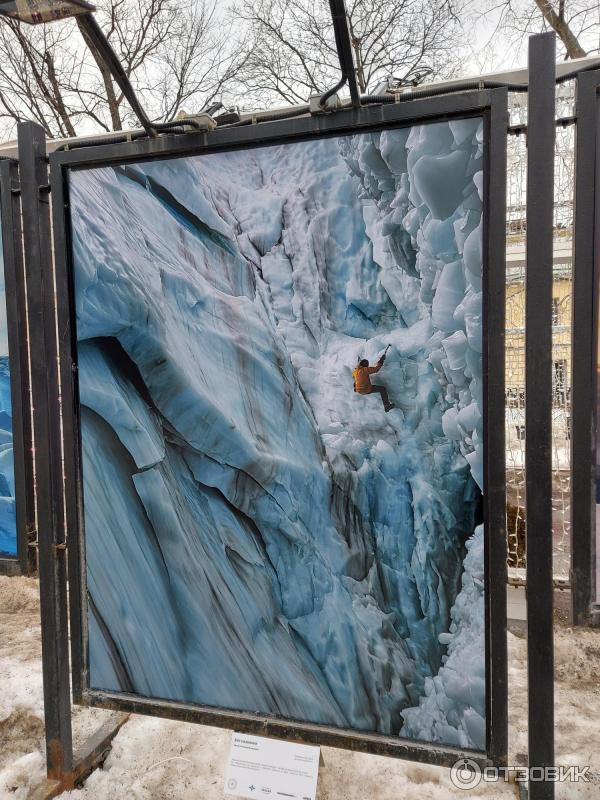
35	12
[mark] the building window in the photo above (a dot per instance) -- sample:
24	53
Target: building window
559	382
555	310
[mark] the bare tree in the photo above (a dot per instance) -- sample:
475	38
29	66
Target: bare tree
575	22
291	46
174	54
556	19
30	60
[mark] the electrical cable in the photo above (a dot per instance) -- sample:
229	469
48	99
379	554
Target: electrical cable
297	111
343	46
435	91
95	141
116	137
325	97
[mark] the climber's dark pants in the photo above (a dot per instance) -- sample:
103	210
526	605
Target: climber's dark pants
383	392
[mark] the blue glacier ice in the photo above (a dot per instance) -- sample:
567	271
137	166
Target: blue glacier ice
258	536
8	521
453	707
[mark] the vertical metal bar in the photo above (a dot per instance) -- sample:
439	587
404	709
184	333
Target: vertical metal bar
49	476
494	453
594	553
16	319
584	334
538	406
67	349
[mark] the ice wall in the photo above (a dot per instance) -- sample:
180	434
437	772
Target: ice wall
258	536
453	708
425	221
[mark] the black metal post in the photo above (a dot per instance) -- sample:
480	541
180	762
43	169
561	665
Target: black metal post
16	317
103	51
494	453
99	44
584	332
48	451
66	343
538	406
343	44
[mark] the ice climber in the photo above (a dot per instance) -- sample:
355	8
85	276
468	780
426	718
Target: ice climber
362	381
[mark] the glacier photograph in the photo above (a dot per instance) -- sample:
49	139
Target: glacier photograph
280	369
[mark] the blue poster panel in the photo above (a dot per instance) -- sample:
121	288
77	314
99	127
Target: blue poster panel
8	523
281	381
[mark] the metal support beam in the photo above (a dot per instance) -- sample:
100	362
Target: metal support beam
64	767
44	372
494	453
538	406
92	755
584	338
16	318
343	44
103	51
65	343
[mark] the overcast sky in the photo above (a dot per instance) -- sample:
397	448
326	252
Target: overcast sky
486	44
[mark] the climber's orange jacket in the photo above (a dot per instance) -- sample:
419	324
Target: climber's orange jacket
362	382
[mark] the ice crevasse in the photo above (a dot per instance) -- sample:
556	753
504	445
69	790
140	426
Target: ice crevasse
259	537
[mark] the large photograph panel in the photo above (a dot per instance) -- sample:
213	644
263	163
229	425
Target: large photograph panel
280	372
8	520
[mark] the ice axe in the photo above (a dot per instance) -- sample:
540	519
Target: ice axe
383	356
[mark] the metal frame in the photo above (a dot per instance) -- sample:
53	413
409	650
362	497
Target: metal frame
585	384
492	106
541	132
16	316
65	766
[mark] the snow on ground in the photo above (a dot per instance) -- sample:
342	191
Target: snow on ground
154	759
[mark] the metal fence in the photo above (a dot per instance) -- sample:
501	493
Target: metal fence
561	339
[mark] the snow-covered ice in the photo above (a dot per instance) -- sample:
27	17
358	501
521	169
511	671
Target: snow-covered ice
453	709
252	524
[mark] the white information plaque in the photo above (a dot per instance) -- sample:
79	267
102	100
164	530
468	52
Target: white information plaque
260	767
